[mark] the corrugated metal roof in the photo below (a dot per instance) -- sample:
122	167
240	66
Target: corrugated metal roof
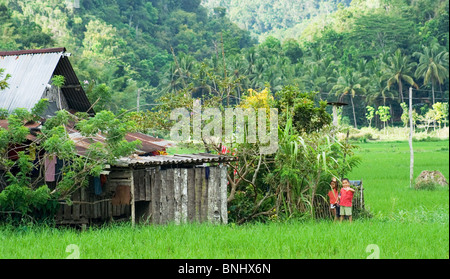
149	143
72	90
31	125
32	51
30	74
31	71
160	160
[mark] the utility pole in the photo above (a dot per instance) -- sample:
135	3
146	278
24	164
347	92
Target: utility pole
411	151
138	97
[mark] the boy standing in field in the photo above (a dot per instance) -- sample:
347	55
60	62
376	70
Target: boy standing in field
334	196
346	200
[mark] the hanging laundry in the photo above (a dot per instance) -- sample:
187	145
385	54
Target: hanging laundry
103	179
97	186
50	166
207	172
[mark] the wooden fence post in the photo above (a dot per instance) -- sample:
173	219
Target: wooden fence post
133	209
411	151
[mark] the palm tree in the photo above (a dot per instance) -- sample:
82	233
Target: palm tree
350	83
433	63
321	75
399	69
376	90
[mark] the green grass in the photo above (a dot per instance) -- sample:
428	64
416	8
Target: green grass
320	240
185	149
406	224
385	173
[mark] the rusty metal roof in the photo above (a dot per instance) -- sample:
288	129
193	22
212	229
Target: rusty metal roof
177	159
31	71
30	125
149	143
32	51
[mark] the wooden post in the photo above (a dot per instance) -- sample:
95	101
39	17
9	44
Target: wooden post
184	196
138	99
177	195
191	194
335	116
362	194
156	193
223	194
411	151
211	194
133	209
198	192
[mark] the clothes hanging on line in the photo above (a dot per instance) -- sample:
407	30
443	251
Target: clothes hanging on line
50	167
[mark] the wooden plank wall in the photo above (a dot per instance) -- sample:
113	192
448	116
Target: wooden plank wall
179	195
182	195
88	207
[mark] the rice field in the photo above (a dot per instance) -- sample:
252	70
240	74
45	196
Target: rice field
406	224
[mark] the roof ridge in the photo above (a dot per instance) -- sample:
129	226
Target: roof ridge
32	51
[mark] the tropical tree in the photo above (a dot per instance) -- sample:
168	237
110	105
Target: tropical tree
26	193
383	112
376	90
433	66
350	83
399	69
441	110
321	75
370	114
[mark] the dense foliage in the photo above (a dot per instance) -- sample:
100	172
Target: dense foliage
364	53
26	195
279	18
120	46
361	52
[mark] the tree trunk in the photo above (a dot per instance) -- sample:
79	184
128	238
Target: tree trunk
400	90
432	92
354	114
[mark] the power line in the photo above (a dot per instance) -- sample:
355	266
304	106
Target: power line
381	97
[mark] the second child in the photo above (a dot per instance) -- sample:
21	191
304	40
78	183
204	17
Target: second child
346	199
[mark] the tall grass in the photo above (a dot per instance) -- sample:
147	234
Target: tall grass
299	240
407	223
385	173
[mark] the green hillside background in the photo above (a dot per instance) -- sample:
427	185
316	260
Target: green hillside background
160	47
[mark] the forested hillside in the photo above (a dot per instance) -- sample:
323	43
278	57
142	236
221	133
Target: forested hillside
279	18
365	53
120	46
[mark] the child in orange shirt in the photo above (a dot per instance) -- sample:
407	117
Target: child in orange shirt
334	198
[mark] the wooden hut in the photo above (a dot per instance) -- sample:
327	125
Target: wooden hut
156	190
